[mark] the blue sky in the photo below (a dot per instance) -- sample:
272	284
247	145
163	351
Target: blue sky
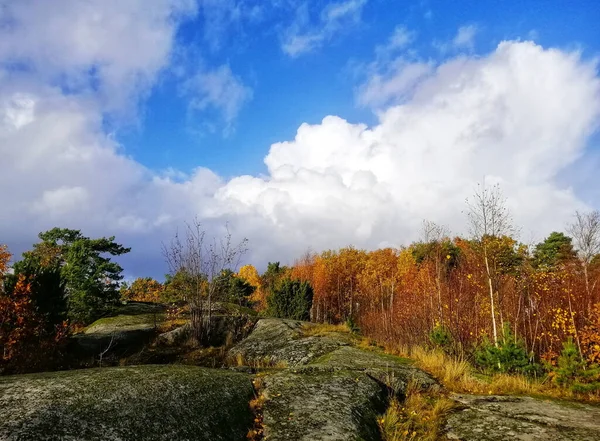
300	124
287	91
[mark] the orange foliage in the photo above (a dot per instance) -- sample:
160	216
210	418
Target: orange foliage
24	339
398	299
249	274
18	321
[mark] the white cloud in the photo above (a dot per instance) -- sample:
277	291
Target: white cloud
303	36
218	89
112	47
465	37
463	40
391	77
400	39
394	84
338	183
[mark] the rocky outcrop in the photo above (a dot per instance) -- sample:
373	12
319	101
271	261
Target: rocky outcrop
167	403
128	330
500	418
329	390
282	342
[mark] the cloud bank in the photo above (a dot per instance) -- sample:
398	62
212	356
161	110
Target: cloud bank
522	116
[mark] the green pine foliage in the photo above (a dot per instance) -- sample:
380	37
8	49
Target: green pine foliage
572	372
291	299
441	338
509	356
88	279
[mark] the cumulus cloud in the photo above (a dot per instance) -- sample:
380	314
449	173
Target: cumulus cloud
304	36
340	183
522	116
109	47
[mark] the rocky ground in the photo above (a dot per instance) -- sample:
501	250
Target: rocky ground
312	386
498	418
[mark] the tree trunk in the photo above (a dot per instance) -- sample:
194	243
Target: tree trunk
491	288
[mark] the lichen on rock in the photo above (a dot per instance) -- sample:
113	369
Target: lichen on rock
499	418
126	403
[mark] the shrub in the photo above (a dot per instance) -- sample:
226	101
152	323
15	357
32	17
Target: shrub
571	371
441	338
291	299
509	356
352	325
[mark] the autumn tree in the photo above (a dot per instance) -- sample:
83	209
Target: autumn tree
436	248
489	219
30	327
143	289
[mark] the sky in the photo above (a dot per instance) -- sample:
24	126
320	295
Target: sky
296	124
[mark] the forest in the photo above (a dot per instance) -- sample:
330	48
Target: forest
503	305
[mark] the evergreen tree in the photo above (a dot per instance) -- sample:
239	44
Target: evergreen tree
91	280
291	299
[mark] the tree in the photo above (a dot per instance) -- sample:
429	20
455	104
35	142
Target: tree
30	325
586	233
554	250
489	218
198	262
143	289
91	280
291	299
437	248
233	289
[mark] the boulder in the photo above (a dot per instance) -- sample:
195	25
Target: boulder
130	327
169	403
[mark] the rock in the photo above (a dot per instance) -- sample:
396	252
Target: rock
320	405
175	337
330	390
498	418
122	334
168	403
393	372
281	342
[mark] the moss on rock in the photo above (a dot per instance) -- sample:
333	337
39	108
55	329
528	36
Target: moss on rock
126	403
499	418
282	341
321	405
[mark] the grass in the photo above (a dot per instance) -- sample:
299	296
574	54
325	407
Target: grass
457	375
420	417
321	329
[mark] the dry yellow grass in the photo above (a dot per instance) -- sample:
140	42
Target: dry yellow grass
319	329
420	417
256	363
457	375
